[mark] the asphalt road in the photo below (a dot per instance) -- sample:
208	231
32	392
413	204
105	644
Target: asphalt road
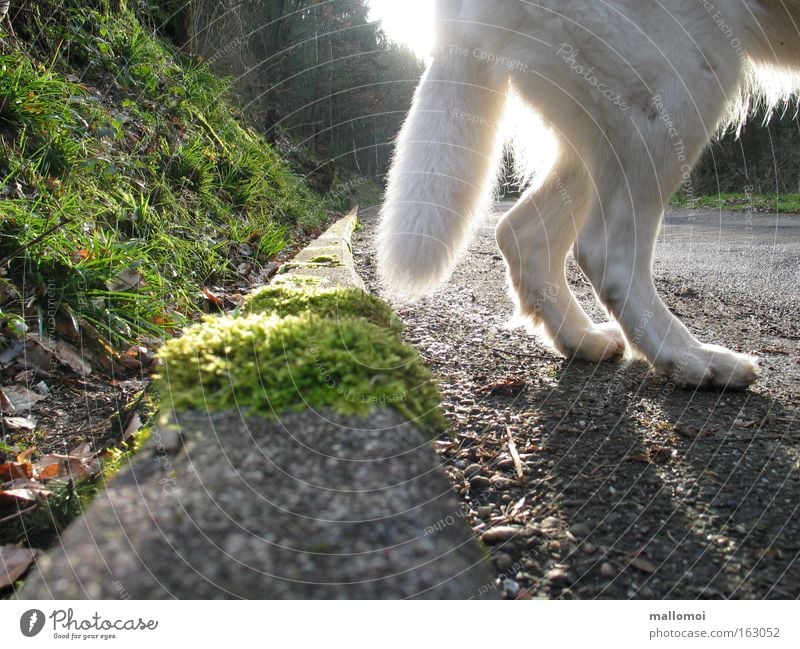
615	484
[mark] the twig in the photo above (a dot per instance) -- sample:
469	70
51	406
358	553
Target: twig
512	448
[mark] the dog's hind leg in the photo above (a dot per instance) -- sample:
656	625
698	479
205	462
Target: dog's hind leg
535	237
615	250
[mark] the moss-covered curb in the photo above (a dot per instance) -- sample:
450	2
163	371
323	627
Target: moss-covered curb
270	365
329	303
310	340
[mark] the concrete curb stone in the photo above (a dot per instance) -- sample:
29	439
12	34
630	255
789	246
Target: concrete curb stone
314	505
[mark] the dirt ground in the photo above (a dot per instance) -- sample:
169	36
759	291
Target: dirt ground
603	480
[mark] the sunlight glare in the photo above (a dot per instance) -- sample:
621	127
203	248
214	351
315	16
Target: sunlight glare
409	22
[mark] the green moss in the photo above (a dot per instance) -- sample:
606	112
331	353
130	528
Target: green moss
267	365
322	259
331	303
300	282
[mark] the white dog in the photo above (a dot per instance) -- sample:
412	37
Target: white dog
632	90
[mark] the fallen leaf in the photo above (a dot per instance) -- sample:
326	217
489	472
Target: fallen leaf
47	471
19	423
511	385
126	280
22	496
36	357
65	354
132	428
14	470
67	325
211	297
11	352
80	255
15	562
81	450
5	403
21	398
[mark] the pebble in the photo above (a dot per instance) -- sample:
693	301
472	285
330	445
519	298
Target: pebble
551	523
480	482
588	548
580	530
499	534
510	588
485	511
531	530
505	465
607	570
473	470
557	575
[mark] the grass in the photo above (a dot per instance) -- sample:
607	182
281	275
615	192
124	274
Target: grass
128	181
780	203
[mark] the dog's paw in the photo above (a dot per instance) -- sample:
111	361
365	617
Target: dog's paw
604	342
711	366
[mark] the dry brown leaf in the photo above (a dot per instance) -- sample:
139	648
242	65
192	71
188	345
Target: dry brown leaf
21	398
64	353
5	403
126	280
211	297
81	450
511	385
23	496
75	466
77	469
19	423
12	352
47	471
13	470
14	562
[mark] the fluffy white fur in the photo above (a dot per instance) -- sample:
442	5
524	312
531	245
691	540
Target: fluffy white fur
633	91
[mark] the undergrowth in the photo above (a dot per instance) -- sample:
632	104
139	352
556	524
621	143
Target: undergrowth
761	203
128	181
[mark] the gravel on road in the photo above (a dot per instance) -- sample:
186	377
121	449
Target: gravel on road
603	480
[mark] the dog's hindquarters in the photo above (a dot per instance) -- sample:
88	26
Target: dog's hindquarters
444	166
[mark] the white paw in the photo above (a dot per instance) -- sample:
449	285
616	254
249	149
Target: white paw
711	366
604	342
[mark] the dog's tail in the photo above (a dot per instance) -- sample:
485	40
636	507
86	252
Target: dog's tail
444	167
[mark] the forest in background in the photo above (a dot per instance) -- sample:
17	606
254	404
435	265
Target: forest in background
319	73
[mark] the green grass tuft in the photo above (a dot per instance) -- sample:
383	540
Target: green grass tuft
759	203
142	170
